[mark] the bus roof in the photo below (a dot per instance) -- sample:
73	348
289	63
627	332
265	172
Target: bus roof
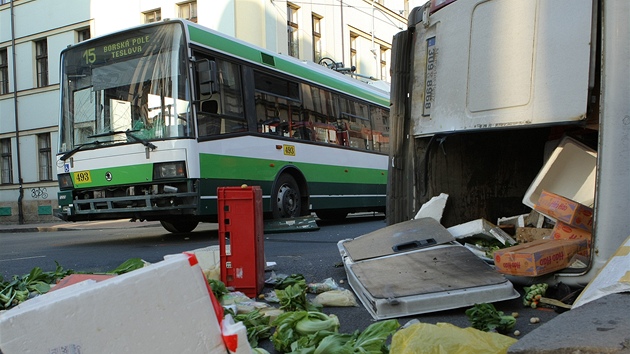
306	70
288	65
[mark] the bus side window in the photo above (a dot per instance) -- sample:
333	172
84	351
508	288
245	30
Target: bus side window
210	106
380	133
221	107
209	123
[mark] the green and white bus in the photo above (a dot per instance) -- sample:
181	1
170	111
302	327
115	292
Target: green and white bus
155	118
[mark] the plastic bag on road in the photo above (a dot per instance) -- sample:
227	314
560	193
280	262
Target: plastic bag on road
445	338
336	298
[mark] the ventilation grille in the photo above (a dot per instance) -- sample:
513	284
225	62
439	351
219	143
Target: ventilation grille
268	59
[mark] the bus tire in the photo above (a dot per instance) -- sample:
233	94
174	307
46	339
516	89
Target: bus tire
286	200
179	226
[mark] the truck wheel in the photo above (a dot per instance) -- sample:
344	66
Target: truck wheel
179	226
286	200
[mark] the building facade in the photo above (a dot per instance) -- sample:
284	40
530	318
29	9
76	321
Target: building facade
342	33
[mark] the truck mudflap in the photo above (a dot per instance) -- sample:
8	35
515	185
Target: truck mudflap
417	267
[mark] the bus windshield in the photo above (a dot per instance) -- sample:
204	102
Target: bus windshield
125	88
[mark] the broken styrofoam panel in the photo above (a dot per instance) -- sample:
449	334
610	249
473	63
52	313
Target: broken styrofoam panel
533	219
209	261
235	336
129	313
479	251
434	208
516	221
481	228
613	278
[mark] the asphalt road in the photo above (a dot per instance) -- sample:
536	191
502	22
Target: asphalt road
313	254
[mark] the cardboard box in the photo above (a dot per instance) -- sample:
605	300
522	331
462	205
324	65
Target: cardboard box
529	234
537	257
565	210
564	231
162	308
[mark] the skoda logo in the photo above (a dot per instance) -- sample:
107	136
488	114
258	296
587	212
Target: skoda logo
108	176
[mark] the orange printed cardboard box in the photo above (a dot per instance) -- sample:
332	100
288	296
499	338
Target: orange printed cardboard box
564	231
537	257
565	210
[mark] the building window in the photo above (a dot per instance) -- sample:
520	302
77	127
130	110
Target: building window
317	38
353	50
188	11
152	16
41	59
6	166
4	72
83	35
44	157
292	29
384	63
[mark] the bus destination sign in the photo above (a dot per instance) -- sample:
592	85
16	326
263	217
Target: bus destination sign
116	50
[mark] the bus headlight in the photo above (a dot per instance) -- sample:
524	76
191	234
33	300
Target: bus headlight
169	170
65	181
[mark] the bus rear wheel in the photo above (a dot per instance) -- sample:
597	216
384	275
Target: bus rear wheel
286	199
179	226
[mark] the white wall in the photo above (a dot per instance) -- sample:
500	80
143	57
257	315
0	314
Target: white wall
218	15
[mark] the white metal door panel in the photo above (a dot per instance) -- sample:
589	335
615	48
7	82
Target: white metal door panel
497	63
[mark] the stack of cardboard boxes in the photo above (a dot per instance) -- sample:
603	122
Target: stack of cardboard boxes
570	236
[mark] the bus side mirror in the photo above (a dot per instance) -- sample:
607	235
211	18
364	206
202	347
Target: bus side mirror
207	74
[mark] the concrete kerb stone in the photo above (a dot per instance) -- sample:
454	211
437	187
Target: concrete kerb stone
600	326
110	224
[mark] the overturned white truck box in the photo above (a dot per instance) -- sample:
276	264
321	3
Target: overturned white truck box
483	92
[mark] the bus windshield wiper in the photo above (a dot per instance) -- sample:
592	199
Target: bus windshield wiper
143	141
128	133
67	155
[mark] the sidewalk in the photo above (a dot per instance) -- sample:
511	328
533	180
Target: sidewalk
600	326
81	225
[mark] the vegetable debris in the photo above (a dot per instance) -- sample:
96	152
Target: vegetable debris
533	294
293	298
293	326
21	288
485	317
256	323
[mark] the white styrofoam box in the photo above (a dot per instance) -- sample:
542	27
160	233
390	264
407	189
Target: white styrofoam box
162	308
534	218
481	228
569	172
209	260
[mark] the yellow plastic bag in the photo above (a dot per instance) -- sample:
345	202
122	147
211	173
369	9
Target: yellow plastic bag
445	338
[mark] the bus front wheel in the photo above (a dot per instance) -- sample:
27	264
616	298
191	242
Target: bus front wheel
286	198
179	226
